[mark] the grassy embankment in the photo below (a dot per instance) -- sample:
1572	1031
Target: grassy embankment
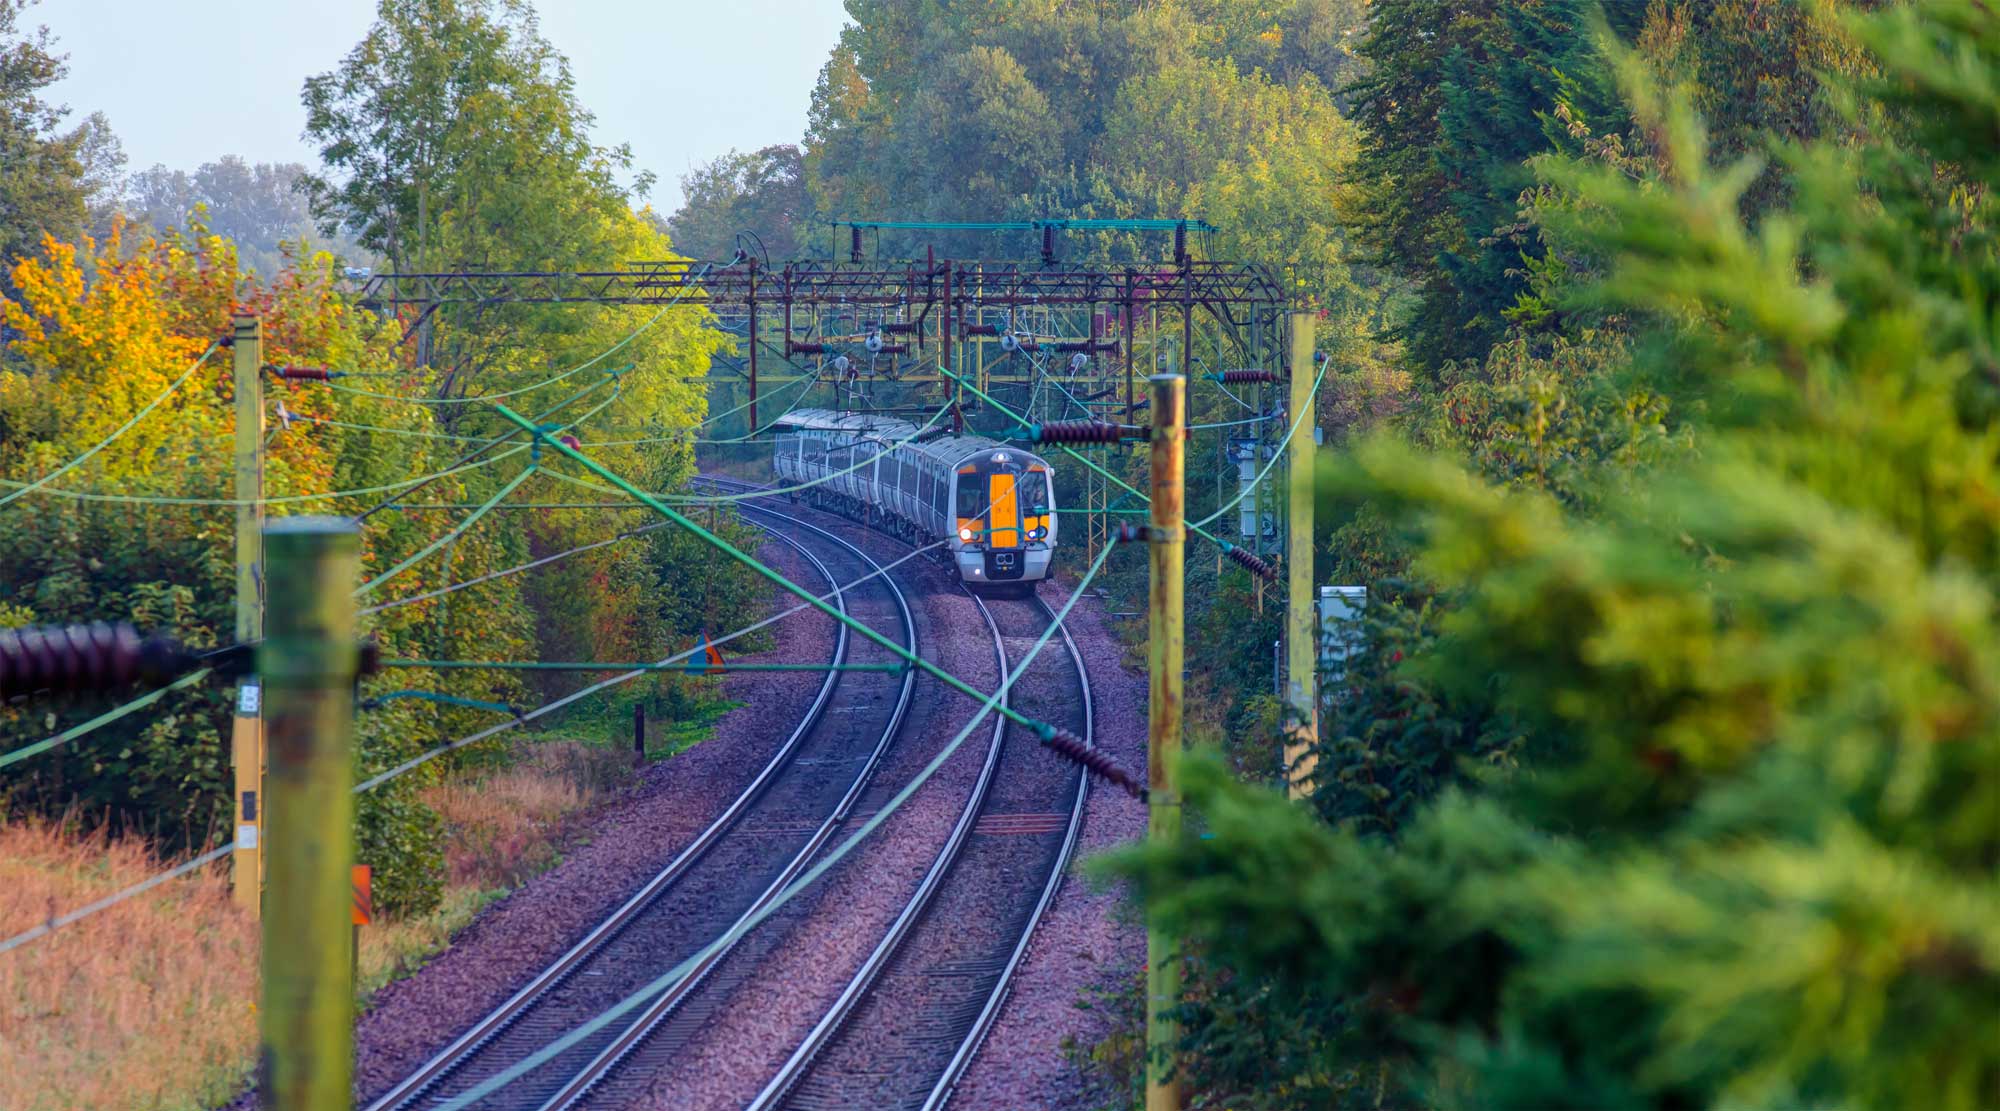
152	1004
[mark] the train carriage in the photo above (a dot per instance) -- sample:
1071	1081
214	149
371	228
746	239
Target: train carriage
990	503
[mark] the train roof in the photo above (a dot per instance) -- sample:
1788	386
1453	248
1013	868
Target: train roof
830	420
948	449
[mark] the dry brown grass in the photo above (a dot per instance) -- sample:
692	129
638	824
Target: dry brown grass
505	827
150	1004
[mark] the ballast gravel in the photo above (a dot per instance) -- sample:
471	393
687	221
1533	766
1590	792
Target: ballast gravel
411	1020
1083	952
1088	947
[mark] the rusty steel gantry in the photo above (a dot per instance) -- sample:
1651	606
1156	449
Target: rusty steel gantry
1057	339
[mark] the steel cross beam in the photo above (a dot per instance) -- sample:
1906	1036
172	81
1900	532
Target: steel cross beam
915	283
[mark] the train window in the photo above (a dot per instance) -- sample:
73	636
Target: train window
971	495
1034	492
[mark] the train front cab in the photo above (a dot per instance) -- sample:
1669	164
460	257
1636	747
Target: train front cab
1004	511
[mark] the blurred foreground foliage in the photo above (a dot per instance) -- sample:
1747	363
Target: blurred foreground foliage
1671	777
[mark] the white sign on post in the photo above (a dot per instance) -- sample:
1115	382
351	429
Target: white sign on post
1340	609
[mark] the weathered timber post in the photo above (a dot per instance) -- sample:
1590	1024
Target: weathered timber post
639	733
1301	600
1165	656
246	738
308	662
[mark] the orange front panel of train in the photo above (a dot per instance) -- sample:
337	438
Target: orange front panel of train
1005	516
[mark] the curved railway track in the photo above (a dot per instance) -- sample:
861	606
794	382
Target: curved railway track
763	840
908	1023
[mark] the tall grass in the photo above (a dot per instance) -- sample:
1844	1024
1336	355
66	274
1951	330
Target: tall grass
506	826
151	1004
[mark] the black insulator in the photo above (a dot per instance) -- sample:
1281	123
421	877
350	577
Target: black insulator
1130	533
85	659
899	327
1078	432
1256	566
1234	376
982	329
302	373
806	348
1095	760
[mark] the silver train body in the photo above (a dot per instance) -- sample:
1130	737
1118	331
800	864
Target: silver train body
992	504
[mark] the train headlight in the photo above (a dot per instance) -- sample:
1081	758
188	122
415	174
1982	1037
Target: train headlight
1037	533
965	534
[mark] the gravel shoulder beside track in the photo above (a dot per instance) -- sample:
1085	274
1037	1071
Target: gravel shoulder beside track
1088	942
629	841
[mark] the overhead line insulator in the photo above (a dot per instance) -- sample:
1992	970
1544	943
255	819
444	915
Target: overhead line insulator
1129	533
1081	432
1254	565
302	373
87	659
1094	760
1233	377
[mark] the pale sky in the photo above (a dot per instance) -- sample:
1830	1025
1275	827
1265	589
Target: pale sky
187	81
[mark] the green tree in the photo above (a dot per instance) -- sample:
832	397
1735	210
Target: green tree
1456	98
1752	865
257	207
46	186
762	192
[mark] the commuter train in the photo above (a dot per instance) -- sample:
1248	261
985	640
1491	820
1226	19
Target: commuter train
992	504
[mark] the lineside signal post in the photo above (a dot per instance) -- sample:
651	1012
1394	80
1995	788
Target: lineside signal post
1301	627
246	740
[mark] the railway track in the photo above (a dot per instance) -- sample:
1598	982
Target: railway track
908	1023
763	840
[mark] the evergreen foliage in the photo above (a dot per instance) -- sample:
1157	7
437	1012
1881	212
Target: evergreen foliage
1747	857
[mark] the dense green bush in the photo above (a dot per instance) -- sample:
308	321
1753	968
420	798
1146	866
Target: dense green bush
1748	858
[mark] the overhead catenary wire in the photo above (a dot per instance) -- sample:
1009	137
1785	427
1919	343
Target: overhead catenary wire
458	530
548	708
1298	420
103	719
730	499
836	855
426	757
285	499
756	565
617	389
518	568
638	441
172	388
57	922
469	399
622	343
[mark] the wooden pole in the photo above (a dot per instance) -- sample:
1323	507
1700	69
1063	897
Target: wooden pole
1301	628
308	662
1165	657
246	739
639	732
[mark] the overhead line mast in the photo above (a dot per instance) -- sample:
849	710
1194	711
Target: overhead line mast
1038	343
